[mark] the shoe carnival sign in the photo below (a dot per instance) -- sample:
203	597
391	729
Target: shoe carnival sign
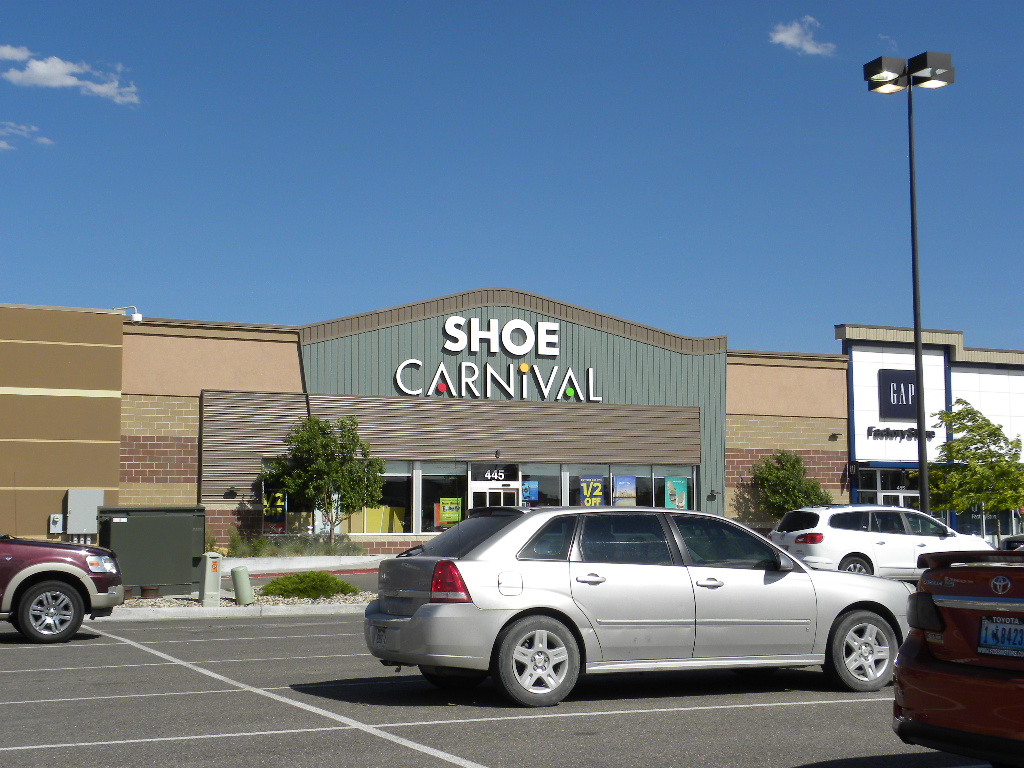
515	338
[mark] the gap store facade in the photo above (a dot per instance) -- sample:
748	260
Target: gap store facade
490	397
883	399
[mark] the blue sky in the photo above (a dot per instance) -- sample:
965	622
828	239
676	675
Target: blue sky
704	168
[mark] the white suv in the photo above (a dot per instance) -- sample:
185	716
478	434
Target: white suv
864	538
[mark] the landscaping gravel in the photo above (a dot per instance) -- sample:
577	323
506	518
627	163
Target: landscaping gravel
180	601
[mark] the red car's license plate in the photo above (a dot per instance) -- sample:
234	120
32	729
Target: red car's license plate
1001	636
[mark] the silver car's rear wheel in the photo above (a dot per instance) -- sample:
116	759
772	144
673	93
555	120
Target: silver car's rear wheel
861	651
538	661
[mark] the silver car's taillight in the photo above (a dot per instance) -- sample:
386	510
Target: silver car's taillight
447	584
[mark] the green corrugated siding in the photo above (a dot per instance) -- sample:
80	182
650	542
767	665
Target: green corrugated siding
628	372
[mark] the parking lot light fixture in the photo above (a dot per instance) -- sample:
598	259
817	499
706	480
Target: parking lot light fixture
888	74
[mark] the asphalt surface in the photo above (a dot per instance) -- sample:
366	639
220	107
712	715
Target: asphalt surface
302	691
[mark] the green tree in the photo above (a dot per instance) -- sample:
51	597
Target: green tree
329	466
979	466
780	484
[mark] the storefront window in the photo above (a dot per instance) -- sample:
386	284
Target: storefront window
542	485
588	485
394	515
445	487
673	486
887	487
632	485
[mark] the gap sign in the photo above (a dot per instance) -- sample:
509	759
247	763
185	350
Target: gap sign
897	394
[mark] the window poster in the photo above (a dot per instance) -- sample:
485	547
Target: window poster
449	511
624	492
531	490
677	492
274	512
591	490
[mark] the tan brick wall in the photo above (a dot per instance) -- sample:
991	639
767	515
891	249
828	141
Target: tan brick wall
790	432
163	415
159	449
820	442
157	493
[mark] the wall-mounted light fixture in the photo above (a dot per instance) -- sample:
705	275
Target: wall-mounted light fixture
136	315
230	493
497	454
713	494
835	436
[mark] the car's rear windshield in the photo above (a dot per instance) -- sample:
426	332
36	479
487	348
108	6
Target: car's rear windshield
797	521
467	535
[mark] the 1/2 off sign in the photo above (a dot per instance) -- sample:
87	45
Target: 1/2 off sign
592	491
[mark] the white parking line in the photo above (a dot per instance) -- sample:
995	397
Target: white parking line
168	663
70	646
122	742
299	687
368	729
648	711
119	696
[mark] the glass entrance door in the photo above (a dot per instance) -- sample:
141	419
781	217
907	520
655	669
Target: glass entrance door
494	496
494	485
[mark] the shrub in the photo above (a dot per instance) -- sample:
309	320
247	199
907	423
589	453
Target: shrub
290	545
260	547
781	484
312	584
237	546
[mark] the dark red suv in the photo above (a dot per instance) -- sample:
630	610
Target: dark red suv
47	588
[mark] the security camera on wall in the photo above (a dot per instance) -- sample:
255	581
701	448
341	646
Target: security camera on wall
136	318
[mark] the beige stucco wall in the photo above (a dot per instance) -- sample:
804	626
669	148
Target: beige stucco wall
786	385
169	360
779	401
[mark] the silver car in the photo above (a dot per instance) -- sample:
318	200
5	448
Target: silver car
534	598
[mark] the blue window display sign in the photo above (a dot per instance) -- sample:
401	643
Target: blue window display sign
624	492
531	490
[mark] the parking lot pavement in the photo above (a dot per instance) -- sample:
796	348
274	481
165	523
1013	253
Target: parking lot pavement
302	691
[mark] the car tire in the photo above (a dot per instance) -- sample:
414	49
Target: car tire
50	612
452	678
861	653
855	564
537	661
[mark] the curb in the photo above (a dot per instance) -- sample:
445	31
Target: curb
260	565
241	612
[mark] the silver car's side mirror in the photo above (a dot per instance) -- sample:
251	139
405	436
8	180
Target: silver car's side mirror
785	563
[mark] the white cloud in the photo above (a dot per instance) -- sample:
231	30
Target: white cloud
10	53
889	42
29	132
54	72
799	36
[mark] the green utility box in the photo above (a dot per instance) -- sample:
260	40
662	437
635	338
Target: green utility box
159	548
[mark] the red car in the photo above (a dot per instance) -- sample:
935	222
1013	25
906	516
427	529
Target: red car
960	674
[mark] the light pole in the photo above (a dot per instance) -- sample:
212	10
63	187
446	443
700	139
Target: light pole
888	74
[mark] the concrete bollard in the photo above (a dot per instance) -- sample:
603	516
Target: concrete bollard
209	588
243	589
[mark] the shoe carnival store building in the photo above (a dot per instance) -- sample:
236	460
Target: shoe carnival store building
883	410
488	397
